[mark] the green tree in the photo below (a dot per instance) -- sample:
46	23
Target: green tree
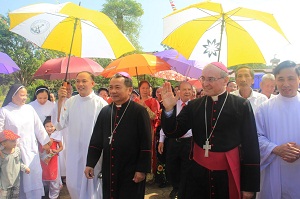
126	15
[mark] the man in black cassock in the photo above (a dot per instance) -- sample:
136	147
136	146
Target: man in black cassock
225	153
123	133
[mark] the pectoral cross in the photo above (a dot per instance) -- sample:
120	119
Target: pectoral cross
110	139
206	147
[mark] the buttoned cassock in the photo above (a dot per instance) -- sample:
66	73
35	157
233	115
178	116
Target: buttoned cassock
235	129
129	152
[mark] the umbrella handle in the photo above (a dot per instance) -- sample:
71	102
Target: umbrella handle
65	83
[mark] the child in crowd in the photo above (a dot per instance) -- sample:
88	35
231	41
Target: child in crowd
10	165
49	162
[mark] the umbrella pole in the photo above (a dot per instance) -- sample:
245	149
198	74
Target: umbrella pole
74	29
137	75
222	30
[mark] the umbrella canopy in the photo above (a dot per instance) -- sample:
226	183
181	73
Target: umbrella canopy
7	65
204	31
178	63
169	75
196	83
71	29
136	64
56	68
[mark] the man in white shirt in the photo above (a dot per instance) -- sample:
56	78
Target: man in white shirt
278	125
244	77
178	149
79	113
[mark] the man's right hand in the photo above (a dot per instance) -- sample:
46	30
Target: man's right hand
89	172
160	147
62	93
289	152
169	100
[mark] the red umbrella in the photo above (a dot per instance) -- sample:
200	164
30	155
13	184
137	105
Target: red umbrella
196	83
56	68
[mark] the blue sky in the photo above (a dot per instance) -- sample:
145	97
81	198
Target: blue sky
285	12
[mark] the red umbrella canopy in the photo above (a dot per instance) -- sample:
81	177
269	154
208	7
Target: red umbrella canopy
56	68
196	83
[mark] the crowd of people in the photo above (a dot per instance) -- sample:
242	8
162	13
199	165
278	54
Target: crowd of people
223	141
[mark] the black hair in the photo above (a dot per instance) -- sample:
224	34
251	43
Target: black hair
286	64
127	82
142	82
230	82
41	89
244	66
103	89
47	120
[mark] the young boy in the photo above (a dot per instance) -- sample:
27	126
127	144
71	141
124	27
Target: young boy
10	165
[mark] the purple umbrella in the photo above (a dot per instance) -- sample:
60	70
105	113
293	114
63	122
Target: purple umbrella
178	63
7	65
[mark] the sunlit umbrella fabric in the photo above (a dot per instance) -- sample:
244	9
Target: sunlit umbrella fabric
136	64
178	63
7	65
51	26
56	68
248	35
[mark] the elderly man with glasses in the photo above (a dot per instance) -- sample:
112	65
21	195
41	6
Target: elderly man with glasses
225	149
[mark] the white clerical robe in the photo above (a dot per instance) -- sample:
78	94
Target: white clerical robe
278	122
79	114
24	121
42	110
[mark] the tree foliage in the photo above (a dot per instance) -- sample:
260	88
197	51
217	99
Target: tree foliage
126	15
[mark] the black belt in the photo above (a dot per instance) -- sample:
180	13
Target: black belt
183	139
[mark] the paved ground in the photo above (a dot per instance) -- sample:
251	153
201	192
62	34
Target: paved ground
152	192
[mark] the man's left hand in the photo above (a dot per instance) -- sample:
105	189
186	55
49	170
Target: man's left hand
139	177
247	195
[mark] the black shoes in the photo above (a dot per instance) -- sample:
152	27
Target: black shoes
173	193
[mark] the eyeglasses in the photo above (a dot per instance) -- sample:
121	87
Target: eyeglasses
209	79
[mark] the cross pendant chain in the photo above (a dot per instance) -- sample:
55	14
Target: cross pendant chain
206	147
112	131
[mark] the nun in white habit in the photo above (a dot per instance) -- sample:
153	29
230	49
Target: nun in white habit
22	119
41	102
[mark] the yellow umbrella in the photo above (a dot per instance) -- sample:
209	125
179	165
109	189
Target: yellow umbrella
136	64
71	29
205	32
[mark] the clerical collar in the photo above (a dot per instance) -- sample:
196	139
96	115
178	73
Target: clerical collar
120	105
91	95
216	97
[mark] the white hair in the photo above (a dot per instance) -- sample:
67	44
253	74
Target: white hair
267	76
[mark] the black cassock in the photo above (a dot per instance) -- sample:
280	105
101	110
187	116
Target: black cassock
235	128
129	152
